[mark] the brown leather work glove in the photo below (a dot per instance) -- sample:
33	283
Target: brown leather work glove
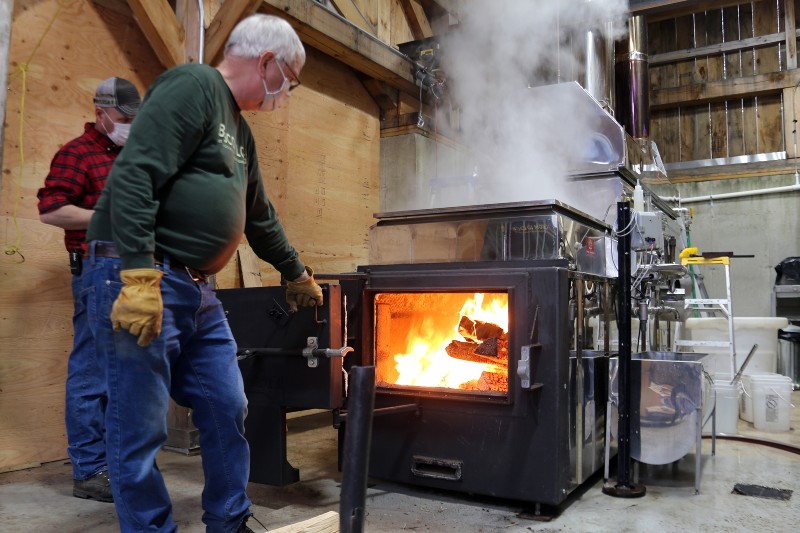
303	293
138	307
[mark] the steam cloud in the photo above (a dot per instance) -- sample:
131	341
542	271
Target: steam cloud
521	145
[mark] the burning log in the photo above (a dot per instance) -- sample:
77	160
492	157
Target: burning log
479	331
467	351
489	381
488	347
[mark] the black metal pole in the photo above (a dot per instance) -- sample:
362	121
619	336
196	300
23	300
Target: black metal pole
357	437
624	488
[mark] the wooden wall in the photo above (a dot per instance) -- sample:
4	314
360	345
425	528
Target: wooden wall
723	128
319	158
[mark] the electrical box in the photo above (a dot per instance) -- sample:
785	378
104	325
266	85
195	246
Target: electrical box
648	231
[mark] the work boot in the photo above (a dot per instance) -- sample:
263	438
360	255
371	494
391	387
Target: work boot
97	487
243	528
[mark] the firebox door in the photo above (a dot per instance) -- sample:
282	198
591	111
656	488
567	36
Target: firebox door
279	368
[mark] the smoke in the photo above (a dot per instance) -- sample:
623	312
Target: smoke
521	145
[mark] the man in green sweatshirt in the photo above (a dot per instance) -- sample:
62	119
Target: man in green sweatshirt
172	213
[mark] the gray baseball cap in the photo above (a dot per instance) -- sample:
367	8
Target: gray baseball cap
118	93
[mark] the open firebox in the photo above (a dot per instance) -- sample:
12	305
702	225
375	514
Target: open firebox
476	321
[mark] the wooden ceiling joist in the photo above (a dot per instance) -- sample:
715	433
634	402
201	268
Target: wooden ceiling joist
417	19
175	35
349	10
231	12
317	26
160	26
327	32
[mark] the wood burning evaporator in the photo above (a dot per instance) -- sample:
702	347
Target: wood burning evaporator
476	320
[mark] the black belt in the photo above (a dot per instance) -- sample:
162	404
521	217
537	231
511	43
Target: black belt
107	249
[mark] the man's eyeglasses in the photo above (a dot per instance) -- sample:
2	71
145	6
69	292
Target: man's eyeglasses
293	83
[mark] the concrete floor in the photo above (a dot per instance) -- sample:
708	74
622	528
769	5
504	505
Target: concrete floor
40	499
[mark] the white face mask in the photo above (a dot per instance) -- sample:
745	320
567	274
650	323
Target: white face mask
273	100
119	135
276	99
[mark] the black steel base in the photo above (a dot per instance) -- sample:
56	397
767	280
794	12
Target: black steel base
634	490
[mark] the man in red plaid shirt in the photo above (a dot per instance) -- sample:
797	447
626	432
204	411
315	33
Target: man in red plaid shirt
77	176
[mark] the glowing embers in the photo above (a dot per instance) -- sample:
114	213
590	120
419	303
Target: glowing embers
447	340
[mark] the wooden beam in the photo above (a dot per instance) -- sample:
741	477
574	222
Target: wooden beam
790	105
229	14
674	9
417	19
188	14
733	171
791	34
387	103
331	35
161	28
120	6
349	10
714	91
729	46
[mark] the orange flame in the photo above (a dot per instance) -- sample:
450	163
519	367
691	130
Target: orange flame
426	364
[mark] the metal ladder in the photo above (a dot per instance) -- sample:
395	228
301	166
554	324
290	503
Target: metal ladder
715	305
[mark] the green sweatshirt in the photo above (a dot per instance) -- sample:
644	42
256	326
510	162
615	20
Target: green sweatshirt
188	184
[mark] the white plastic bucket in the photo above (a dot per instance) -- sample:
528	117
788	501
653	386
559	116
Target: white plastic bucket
727	405
771	402
746	390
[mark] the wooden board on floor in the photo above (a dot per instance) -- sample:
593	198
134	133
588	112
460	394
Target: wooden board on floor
324	523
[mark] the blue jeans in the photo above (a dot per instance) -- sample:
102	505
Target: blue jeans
194	361
85	405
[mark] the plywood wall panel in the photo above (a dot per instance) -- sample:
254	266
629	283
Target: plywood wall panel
331	127
35	294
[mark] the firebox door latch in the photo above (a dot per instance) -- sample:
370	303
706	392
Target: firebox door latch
526	366
312	352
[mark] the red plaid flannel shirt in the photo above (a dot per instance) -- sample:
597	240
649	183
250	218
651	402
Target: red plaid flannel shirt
77	176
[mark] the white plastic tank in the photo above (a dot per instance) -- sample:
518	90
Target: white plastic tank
747	331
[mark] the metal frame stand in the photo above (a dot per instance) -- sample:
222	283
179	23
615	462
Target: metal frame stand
624	488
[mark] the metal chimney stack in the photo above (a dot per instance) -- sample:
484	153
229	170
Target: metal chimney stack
633	83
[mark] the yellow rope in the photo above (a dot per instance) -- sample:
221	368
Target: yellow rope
14	249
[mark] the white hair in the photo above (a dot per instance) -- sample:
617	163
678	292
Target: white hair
258	33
